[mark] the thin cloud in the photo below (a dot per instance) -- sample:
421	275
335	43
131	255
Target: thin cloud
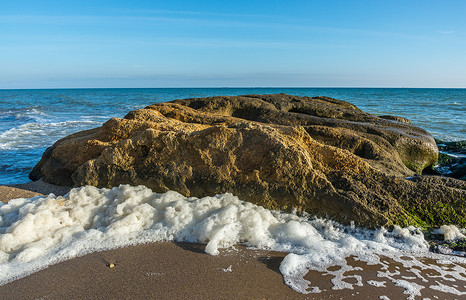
82	41
233	43
294	25
71	19
445	32
191	13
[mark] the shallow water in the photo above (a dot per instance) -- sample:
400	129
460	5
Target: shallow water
32	120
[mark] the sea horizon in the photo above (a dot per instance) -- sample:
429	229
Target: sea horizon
234	87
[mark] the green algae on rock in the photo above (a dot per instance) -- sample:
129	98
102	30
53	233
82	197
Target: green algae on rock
452	159
319	155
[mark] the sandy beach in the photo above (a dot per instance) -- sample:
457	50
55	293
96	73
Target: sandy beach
181	271
168	270
177	271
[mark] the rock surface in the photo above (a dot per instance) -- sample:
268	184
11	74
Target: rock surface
319	155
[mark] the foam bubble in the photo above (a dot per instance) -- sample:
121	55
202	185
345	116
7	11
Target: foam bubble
377	283
411	288
450	232
227	269
446	289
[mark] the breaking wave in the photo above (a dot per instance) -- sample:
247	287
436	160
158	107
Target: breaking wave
41	231
36	135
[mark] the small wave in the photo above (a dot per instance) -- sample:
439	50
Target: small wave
40	135
455	155
90	219
34	114
25	115
95	118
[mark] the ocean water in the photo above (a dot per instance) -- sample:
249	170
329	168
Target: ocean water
32	120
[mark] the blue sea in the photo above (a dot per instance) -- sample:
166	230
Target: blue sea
32	120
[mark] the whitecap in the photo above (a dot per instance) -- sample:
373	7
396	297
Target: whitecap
40	135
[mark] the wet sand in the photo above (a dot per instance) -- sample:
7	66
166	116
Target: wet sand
168	270
31	189
7	193
183	271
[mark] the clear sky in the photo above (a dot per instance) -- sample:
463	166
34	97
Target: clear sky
111	43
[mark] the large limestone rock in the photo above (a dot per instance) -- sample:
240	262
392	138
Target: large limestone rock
319	155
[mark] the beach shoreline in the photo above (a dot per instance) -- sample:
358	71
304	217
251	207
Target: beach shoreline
172	270
169	270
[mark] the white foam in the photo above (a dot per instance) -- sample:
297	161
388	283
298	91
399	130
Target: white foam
411	288
450	232
40	231
227	269
446	289
150	274
33	113
377	283
38	135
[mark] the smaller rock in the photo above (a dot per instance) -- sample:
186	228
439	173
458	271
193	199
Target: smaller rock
452	159
396	118
458	147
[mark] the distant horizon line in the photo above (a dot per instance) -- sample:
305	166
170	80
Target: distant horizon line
235	87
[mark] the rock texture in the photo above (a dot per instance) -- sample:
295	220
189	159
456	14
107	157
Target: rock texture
319	155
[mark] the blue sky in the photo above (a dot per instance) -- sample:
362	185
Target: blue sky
68	44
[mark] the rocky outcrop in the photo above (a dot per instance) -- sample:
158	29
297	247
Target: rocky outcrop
319	155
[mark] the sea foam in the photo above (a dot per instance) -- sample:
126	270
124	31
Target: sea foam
36	135
41	231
